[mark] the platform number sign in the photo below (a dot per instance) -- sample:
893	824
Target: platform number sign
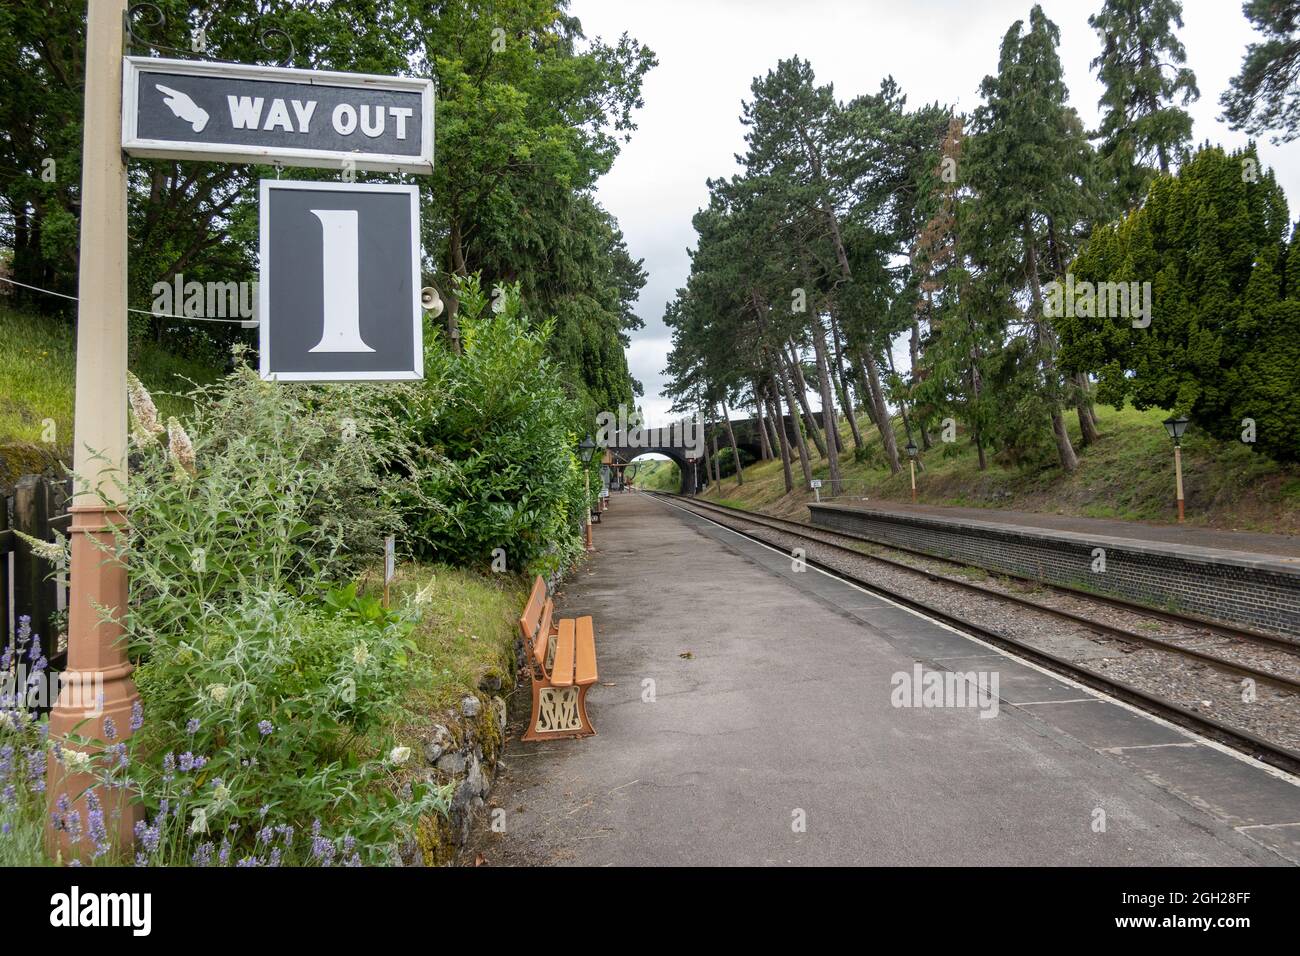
339	298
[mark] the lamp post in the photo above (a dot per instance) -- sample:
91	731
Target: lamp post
1176	427
586	449
98	592
911	465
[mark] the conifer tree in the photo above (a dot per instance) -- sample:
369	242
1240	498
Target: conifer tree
1141	68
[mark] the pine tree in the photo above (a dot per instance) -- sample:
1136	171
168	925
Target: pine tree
1029	164
1141	67
1265	95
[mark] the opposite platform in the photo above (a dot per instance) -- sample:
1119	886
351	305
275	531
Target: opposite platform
1176	568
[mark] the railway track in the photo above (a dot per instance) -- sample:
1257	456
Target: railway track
1267	751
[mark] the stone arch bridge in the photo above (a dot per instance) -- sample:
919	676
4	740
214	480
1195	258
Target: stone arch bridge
680	443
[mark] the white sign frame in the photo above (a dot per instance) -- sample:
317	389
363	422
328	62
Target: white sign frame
132	144
264	284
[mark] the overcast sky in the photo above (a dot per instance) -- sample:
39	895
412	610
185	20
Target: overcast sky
710	50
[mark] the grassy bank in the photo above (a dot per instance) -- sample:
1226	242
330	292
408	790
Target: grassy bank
1128	474
466	632
38	369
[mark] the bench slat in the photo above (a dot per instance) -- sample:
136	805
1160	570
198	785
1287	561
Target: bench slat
541	642
532	611
584	668
562	669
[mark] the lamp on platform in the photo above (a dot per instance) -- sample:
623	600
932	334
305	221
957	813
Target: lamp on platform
586	449
911	464
1176	427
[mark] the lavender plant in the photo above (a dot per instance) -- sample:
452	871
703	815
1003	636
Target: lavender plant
22	752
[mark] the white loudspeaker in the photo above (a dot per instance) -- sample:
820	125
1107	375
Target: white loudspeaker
430	301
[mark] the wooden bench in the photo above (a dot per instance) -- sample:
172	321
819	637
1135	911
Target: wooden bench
562	660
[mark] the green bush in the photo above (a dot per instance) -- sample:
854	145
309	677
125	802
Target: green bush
270	695
506	428
272	715
293	484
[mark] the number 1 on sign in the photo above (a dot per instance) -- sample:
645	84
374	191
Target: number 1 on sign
342	282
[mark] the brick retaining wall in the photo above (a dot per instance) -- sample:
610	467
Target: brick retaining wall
1257	591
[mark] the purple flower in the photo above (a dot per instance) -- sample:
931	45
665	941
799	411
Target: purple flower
36	770
203	855
137	715
150	835
192	725
265	727
110	729
186	762
95	821
118	750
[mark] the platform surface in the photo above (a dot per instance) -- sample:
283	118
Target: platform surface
1250	544
744	717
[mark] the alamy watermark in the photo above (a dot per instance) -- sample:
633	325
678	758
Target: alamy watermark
959	689
29	689
1100	300
205	300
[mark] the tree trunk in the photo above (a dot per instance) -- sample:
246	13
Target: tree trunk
860	377
829	419
708	465
846	396
1064	450
783	442
801	393
764	446
800	441
457	252
731	437
1087	419
881	416
976	437
903	410
775	426
717	462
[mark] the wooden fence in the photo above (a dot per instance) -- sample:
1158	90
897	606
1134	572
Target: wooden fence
38	507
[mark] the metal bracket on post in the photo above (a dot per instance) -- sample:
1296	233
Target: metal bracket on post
158	20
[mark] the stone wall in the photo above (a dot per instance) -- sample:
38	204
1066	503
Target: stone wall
463	752
1261	592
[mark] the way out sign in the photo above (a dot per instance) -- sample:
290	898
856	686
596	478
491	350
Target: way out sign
339	297
233	112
